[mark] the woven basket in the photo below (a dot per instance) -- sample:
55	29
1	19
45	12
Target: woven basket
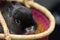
43	17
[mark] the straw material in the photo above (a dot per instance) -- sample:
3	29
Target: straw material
38	7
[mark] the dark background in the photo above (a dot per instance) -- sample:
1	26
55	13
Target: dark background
54	7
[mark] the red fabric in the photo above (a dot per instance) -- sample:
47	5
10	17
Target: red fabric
45	38
39	16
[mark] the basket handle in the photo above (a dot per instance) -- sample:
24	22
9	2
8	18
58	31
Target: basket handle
35	36
25	2
5	28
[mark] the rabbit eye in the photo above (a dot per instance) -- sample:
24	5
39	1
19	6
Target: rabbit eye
17	21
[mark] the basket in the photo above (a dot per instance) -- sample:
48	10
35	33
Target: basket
45	21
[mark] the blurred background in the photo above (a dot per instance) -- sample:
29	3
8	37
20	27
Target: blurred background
54	7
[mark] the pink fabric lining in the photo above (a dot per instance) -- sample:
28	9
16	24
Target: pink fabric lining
39	16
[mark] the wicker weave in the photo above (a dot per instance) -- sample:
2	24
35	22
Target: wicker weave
38	7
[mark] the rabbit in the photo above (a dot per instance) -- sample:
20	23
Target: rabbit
19	19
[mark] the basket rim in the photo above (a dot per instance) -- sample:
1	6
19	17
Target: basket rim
40	35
